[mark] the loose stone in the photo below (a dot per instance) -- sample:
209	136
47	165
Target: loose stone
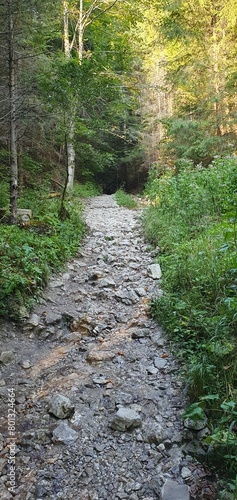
154	271
7	357
26	364
126	419
196	425
160	363
64	434
61	407
174	491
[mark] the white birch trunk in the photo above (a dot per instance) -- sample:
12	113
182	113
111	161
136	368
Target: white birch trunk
80	33
71	155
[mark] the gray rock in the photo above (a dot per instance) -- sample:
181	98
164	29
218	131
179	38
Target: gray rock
195	425
152	370
53	317
61	407
126	419
194	449
141	292
106	283
127	297
160	363
100	380
155	433
157	339
26	364
64	434
174	491
154	271
33	321
40	491
185	472
152	489
140	333
76	420
7	357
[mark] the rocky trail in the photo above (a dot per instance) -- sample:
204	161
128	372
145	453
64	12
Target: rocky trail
97	390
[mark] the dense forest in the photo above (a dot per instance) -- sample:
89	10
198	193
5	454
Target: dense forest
106	94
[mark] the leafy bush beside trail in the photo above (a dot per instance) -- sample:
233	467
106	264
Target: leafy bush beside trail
193	222
30	252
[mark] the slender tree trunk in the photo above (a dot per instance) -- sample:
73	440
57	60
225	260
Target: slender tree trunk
66	30
71	112
12	114
71	152
80	33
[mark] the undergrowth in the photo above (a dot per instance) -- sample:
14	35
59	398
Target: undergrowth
31	251
124	199
192	220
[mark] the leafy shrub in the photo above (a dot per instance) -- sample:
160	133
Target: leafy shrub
194	222
4	195
29	254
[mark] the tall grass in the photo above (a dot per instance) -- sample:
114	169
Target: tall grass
193	221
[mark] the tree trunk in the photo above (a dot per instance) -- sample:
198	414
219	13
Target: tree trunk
80	33
71	153
66	30
12	115
71	121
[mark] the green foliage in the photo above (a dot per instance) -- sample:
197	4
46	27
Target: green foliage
192	221
195	140
124	199
86	190
4	195
31	251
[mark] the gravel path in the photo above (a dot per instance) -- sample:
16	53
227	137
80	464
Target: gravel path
119	433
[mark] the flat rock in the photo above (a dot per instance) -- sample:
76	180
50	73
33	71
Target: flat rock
100	380
64	434
26	364
106	283
97	356
126	419
152	370
33	321
61	407
154	271
157	339
139	333
160	363
174	491
195	425
7	357
185	472
156	433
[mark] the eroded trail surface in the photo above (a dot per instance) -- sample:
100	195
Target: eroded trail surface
120	436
